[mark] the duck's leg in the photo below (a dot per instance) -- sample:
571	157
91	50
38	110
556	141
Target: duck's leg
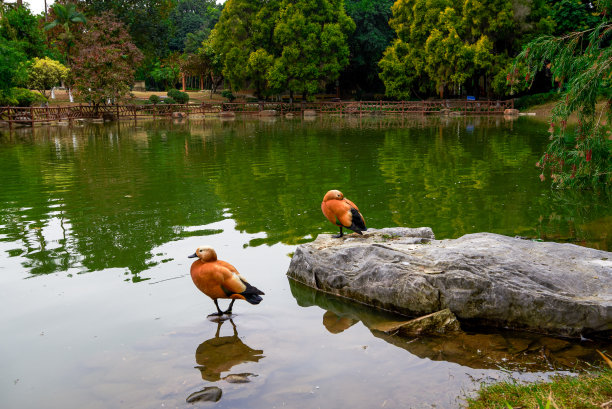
219	312
229	309
337	236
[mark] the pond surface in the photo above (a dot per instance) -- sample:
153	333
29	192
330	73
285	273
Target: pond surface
97	221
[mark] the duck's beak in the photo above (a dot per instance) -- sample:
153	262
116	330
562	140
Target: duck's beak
192	256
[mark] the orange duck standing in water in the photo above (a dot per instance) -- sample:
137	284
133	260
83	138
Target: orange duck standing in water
219	279
342	212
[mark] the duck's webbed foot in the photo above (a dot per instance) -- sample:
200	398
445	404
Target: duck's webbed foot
337	236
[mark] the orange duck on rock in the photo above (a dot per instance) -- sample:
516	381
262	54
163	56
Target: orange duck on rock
342	212
219	279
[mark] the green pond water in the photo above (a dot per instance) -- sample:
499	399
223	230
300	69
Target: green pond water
97	221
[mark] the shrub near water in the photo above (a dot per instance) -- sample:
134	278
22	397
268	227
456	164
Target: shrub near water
179	96
26	98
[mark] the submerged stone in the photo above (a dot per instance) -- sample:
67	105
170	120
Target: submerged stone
489	279
208	394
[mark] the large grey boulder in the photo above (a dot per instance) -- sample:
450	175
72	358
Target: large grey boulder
485	278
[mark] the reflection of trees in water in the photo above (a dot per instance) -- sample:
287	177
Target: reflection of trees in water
474	349
218	355
102	196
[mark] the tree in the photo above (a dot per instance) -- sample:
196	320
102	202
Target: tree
148	22
367	43
572	15
236	36
259	64
211	64
581	65
167	72
456	44
21	27
13	70
192	18
312	39
46	73
66	17
105	60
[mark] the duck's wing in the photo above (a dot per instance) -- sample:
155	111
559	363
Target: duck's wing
328	212
357	220
353	205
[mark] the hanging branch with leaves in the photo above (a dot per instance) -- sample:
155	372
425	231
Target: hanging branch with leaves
581	66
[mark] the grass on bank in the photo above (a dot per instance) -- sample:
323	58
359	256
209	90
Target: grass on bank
588	390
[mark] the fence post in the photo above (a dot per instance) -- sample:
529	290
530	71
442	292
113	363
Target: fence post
32	117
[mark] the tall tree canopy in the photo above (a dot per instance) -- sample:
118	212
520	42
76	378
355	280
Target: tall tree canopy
20	26
66	17
193	20
367	43
105	60
282	44
456	44
147	21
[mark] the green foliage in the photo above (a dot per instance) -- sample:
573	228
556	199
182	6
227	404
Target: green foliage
45	73
258	65
367	43
456	44
193	20
179	96
572	15
312	38
282	44
228	94
581	65
13	66
21	27
169	101
166	72
25	98
154	99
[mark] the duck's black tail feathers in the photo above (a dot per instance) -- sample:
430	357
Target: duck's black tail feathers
252	294
358	224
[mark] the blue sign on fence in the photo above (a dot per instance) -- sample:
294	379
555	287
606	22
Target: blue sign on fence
471	98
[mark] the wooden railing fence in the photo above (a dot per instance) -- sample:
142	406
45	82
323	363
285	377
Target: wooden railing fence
31	115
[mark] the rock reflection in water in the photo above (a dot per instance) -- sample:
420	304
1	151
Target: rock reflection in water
219	354
480	350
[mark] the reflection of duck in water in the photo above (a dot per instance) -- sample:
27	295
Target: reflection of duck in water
220	354
335	323
219	279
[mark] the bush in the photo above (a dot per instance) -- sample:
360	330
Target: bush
26	98
228	94
169	101
154	99
179	96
